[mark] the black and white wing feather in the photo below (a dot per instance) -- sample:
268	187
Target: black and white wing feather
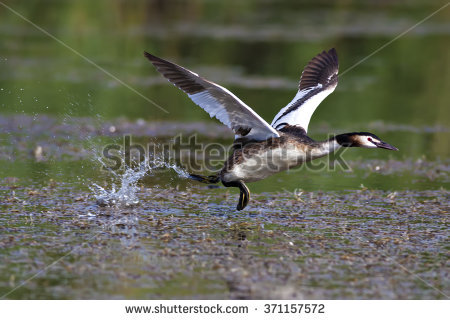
318	80
216	100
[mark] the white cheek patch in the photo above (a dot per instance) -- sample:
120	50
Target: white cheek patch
368	143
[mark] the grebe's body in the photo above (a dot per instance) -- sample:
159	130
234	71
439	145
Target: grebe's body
255	161
260	149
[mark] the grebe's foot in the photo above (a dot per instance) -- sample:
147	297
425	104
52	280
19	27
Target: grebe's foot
205	179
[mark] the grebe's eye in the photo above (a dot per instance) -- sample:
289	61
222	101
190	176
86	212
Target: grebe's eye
370	139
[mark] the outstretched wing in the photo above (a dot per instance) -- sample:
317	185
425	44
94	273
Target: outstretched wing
318	80
216	100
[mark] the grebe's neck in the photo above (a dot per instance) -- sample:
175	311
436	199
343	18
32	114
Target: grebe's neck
338	141
328	146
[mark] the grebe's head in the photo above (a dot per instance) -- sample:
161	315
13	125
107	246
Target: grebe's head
363	140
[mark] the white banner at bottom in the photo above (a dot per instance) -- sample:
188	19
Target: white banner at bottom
224	309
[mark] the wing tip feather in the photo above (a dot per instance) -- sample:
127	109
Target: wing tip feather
322	69
151	57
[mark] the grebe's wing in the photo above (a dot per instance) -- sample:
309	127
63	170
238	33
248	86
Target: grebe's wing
216	100
318	80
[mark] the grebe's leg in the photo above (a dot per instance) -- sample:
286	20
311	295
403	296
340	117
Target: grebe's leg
244	195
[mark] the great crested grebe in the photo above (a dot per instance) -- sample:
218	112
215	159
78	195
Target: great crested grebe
260	149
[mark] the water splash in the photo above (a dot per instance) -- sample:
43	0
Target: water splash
125	194
159	162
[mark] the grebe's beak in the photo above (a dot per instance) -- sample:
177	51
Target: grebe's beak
385	145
